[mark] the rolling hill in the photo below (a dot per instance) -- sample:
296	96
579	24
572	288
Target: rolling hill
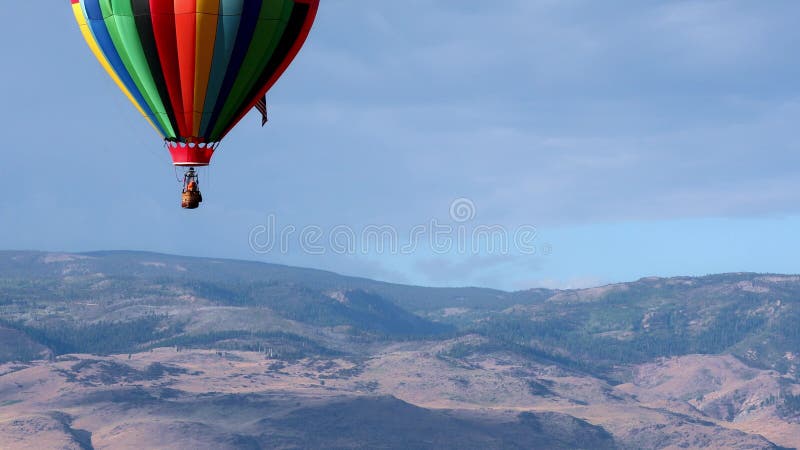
659	362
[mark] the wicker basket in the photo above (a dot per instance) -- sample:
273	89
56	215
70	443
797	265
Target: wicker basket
190	200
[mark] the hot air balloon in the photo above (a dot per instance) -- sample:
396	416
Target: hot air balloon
194	68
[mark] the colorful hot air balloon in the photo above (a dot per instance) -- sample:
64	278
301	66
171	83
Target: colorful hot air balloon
194	68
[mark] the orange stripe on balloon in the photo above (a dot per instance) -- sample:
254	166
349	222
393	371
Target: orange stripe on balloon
207	17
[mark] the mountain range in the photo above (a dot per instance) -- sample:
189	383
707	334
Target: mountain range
143	350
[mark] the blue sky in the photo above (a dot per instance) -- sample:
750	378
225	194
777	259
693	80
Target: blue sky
638	138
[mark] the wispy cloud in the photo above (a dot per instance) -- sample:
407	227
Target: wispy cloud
547	112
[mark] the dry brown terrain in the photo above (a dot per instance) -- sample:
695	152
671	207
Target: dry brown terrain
207	399
279	357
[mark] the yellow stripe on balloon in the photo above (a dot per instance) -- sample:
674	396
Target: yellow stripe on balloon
207	18
92	42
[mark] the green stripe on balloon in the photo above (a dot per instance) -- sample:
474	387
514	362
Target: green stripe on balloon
122	28
144	25
272	22
227	29
244	38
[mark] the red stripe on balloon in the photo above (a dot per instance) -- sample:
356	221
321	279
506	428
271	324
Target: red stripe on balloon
186	32
163	16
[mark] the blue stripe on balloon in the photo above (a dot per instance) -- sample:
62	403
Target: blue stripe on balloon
227	29
97	24
244	36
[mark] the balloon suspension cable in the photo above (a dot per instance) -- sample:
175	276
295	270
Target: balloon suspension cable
177	177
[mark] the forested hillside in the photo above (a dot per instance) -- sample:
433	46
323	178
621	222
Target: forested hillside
120	302
677	361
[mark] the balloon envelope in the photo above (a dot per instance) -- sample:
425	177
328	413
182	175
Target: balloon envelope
194	68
